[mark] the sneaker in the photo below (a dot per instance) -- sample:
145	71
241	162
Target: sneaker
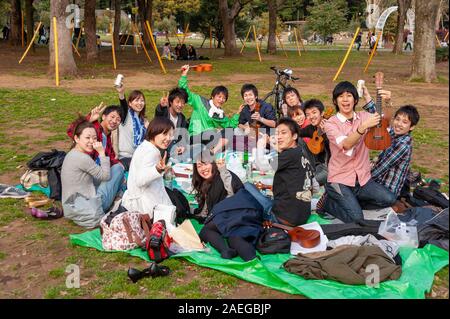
13	192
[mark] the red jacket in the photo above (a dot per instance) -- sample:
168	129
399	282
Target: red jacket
109	151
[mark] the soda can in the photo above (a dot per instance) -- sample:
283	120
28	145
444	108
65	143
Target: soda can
118	81
359	87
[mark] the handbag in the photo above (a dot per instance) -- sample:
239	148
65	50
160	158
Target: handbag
273	241
32	177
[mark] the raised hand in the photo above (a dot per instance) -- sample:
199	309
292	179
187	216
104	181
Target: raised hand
372	121
161	165
184	69
96	111
121	91
98	146
220	163
164	101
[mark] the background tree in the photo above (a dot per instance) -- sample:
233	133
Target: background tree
327	17
29	19
67	64
403	6
90	28
117	23
15	33
145	13
424	55
228	16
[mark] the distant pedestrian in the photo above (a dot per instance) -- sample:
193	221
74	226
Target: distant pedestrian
409	41
358	41
5	32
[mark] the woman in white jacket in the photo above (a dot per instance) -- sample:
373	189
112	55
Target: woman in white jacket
145	179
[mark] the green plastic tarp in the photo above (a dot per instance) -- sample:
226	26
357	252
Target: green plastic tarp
418	269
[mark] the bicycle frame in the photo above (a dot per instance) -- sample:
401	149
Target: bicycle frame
278	89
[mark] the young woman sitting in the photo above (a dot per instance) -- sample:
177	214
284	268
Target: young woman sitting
298	115
80	173
233	219
132	130
293	181
147	168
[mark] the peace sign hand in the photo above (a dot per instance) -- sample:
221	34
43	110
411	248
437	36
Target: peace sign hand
96	111
161	166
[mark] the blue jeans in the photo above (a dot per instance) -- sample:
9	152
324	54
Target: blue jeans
108	189
264	201
346	203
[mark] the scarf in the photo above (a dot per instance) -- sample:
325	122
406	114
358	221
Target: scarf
139	129
215	110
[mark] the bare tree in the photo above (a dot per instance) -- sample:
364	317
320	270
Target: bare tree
228	16
66	63
90	30
16	24
30	21
116	23
403	6
424	56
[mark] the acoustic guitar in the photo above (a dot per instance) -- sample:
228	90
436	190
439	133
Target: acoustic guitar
316	143
307	238
378	138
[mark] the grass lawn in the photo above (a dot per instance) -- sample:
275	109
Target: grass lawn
34	119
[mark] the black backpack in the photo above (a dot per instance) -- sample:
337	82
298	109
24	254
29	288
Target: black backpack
273	241
431	194
52	162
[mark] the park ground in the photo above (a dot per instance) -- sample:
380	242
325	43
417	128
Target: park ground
34	115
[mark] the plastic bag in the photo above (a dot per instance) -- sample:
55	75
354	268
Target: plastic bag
404	234
234	164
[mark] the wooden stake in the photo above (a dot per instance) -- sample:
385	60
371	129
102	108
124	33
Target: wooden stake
346	55
126	40
113	53
296	42
373	51
184	35
438	42
55	44
257	46
446	36
31	43
301	41
143	45
79	35
134	37
154	46
210	37
281	44
76	51
246	37
23	31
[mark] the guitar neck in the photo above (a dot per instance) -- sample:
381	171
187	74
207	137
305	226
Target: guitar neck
288	228
379	101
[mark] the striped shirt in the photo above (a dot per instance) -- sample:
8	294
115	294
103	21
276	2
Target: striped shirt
392	166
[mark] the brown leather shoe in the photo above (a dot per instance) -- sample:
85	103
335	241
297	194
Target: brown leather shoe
40	203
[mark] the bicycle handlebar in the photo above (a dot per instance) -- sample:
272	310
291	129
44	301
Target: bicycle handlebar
280	73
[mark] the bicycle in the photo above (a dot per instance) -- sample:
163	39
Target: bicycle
275	97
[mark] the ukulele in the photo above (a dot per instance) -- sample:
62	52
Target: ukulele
377	137
254	123
316	143
307	238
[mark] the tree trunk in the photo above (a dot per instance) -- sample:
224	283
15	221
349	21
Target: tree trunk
116	24
29	21
228	17
272	41
145	13
66	62
424	55
16	23
90	30
403	6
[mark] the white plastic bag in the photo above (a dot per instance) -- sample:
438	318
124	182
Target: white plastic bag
234	164
404	234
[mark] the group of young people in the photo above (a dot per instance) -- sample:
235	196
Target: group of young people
124	140
181	52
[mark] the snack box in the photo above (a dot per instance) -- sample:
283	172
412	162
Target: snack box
183	170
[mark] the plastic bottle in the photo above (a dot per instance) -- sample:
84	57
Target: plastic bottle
168	178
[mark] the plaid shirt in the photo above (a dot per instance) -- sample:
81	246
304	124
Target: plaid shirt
392	166
109	151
